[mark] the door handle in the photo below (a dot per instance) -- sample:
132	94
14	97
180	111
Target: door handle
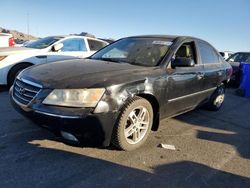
200	75
219	73
41	56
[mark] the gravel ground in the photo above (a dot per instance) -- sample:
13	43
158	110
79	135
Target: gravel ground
212	150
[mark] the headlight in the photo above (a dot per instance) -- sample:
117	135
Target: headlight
74	97
2	57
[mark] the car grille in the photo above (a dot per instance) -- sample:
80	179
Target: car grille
24	92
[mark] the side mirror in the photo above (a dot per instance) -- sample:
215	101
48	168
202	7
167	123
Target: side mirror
182	62
57	47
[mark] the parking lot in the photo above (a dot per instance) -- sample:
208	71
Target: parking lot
212	150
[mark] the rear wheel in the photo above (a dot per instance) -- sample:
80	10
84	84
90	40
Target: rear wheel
134	124
14	72
217	98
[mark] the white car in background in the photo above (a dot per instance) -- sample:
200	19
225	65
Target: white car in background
48	49
6	40
226	54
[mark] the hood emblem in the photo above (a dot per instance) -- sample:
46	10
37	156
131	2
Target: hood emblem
21	90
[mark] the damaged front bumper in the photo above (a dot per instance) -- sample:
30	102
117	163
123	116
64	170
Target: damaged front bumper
78	125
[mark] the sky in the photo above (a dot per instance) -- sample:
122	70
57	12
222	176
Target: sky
223	23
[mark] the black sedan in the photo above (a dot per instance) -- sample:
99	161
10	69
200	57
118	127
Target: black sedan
235	60
120	93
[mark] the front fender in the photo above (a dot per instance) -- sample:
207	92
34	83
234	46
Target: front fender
117	95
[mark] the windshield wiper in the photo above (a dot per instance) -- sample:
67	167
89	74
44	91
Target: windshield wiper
110	59
115	60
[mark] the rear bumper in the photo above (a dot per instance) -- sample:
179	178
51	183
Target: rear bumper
87	127
233	77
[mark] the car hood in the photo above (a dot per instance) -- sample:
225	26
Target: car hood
84	73
16	50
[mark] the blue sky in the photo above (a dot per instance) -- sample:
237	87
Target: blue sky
223	23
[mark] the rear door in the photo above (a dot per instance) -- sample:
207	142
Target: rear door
213	67
184	84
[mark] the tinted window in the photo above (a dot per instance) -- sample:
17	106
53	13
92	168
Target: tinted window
95	45
42	43
72	45
207	53
240	57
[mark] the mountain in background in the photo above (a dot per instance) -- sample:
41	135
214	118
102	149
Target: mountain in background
18	35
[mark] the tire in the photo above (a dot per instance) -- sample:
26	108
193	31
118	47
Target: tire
131	131
14	72
217	99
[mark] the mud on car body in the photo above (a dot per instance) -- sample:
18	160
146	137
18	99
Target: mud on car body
119	94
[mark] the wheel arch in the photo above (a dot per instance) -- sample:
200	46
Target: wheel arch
156	108
17	65
224	82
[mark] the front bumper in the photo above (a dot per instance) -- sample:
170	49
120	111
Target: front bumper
89	128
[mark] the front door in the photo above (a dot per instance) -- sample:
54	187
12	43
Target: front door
184	84
72	48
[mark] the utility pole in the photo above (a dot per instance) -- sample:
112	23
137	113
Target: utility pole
28	25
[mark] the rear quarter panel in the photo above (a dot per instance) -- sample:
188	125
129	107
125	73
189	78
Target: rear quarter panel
4	41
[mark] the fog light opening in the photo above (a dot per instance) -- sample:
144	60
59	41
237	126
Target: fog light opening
69	136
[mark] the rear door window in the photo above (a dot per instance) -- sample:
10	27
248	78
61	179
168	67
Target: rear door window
73	45
95	45
207	53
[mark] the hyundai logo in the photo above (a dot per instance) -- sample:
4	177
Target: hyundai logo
21	90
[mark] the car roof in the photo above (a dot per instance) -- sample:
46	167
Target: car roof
5	34
170	37
65	36
242	53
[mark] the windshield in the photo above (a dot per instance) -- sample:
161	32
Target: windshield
136	51
239	57
42	43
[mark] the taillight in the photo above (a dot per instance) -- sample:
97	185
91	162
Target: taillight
11	41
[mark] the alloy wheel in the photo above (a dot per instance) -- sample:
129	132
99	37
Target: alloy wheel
137	125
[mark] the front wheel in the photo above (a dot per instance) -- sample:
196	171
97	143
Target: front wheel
134	124
217	98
